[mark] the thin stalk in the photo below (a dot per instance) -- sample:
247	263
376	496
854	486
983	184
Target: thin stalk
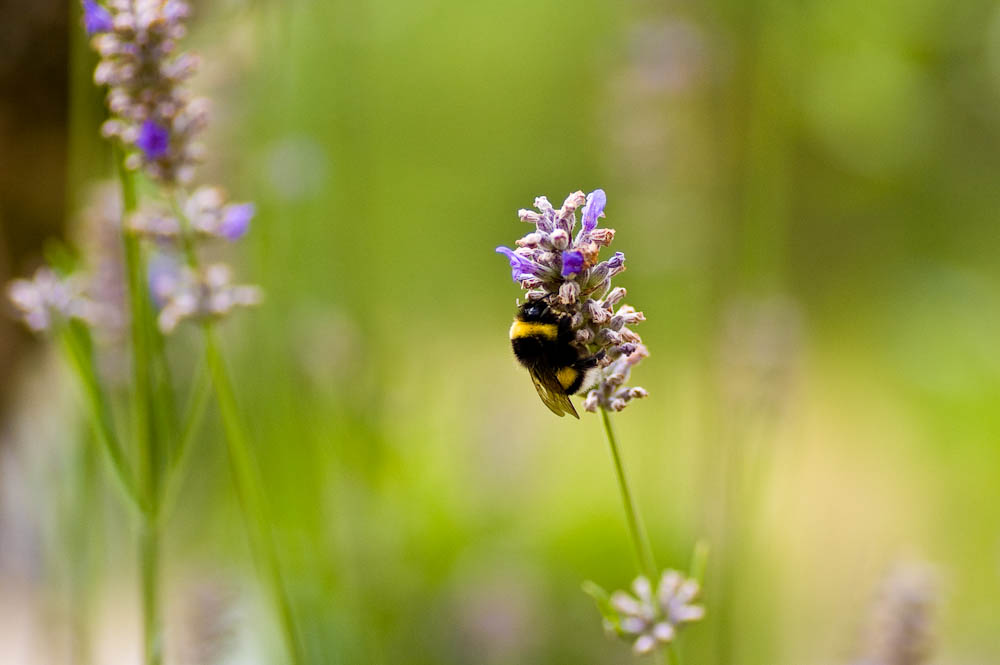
246	477
193	414
77	348
151	620
640	539
145	420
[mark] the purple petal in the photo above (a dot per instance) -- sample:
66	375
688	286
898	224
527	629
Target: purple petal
154	140
520	267
236	220
572	263
96	18
594	209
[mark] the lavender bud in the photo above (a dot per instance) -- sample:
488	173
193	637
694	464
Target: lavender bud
568	292
627	349
597	313
630	336
597	274
616	264
615	297
542	203
530	240
602	237
529	216
560	240
608	337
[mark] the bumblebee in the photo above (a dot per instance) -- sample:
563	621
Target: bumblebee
542	343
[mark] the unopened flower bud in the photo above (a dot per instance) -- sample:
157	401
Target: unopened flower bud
560	239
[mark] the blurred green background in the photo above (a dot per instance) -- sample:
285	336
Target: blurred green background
807	196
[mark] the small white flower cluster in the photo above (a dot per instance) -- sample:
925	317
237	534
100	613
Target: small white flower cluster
48	299
205	294
652	620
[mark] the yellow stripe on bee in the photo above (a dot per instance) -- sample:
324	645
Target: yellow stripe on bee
566	376
524	329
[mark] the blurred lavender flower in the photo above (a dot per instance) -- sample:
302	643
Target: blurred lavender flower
901	629
156	119
207	212
553	265
47	300
652	620
207	294
98	234
151	112
210	613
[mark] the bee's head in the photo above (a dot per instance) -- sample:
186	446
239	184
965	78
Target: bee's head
535	310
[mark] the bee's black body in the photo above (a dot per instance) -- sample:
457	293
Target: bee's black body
542	343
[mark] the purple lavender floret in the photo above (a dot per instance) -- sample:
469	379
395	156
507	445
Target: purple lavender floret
551	265
594	209
521	269
96	19
236	220
572	263
153	140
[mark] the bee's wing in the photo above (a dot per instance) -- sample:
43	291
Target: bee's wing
552	394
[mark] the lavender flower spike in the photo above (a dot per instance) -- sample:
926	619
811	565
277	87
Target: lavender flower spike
567	273
96	19
152	115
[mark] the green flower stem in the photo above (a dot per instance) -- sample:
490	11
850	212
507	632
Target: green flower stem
641	546
640	539
148	440
193	414
246	477
76	343
151	619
